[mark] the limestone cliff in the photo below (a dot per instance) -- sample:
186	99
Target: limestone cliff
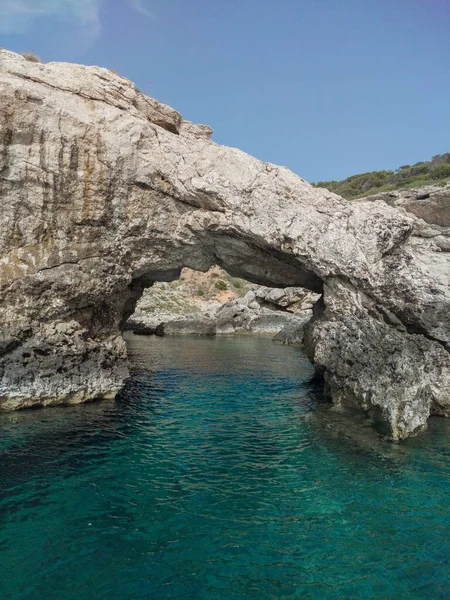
105	191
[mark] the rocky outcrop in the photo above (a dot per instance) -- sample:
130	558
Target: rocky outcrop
263	310
104	191
430	206
430	203
402	375
293	334
194	295
291	299
190	325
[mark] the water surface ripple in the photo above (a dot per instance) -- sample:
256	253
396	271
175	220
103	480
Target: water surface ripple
218	475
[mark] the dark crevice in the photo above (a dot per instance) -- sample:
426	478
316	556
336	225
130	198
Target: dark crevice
416	329
143	186
9	346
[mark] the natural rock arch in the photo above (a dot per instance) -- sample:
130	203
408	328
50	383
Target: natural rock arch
104	191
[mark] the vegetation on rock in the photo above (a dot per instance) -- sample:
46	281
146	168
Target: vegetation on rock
192	292
433	172
221	285
31	56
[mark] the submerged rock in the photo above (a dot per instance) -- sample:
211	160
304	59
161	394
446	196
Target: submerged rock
105	191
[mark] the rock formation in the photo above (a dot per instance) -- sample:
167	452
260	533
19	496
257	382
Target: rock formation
265	310
431	207
195	294
105	191
176	309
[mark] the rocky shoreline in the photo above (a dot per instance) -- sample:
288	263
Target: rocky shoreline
105	192
261	311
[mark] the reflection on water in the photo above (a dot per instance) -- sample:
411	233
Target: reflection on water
218	474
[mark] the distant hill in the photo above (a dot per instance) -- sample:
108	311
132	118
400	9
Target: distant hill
433	172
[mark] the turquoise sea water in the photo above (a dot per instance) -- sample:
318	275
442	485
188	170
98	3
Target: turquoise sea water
218	475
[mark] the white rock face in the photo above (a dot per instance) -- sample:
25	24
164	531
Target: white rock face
105	191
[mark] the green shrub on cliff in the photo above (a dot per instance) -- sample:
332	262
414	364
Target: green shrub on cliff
435	171
31	56
221	285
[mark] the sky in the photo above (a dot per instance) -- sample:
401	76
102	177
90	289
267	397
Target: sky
328	88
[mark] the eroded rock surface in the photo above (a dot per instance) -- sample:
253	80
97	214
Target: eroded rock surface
265	310
171	309
430	206
104	191
430	203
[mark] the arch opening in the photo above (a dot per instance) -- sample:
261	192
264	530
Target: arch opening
214	302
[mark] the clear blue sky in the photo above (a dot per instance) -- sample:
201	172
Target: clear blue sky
327	87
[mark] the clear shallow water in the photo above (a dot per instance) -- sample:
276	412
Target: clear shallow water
218	476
